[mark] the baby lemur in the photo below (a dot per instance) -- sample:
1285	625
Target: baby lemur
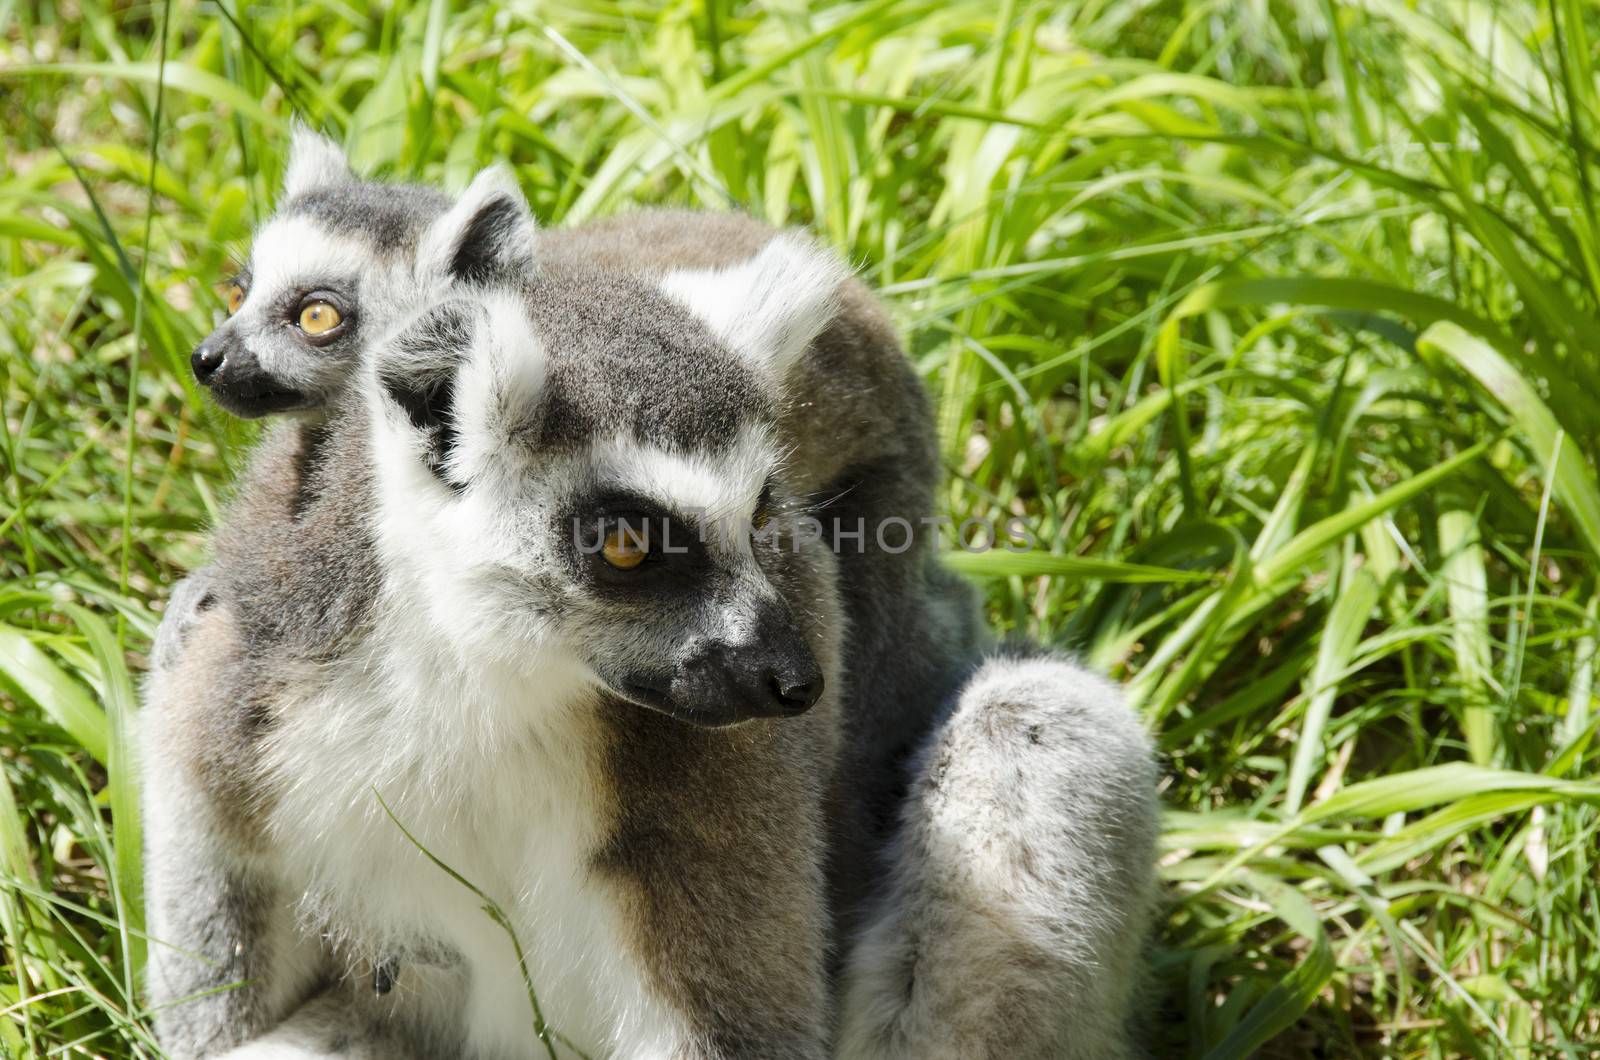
403	611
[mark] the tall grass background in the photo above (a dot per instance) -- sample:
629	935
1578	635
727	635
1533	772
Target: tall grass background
1278	321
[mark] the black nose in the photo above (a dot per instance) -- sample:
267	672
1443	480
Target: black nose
796	693
205	361
777	679
723	684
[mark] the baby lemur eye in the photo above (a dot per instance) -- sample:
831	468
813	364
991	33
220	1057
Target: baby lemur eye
625	548
236	296
318	317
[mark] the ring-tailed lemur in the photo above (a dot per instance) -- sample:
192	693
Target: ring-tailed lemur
896	988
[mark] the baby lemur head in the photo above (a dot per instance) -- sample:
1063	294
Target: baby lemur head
331	265
579	471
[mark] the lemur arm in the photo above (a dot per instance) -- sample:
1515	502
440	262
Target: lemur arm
222	967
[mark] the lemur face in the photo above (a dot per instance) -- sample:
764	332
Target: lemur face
331	264
586	463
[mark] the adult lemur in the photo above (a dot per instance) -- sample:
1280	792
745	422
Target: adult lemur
401	610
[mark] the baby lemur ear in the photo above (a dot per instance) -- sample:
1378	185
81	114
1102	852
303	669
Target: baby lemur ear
314	162
769	308
486	237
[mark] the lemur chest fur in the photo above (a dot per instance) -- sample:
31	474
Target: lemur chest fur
495	776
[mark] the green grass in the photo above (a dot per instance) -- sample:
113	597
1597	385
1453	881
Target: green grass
1299	300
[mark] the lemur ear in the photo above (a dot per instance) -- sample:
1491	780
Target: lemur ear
417	370
488	235
314	162
467	375
769	308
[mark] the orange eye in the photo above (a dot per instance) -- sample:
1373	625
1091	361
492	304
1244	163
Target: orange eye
235	298
624	549
318	318
759	519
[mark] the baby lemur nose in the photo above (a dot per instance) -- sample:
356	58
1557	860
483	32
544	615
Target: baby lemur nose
205	360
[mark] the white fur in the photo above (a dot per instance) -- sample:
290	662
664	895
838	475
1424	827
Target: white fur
314	162
488	763
472	723
767	309
312	1032
290	252
497	395
481	534
723	490
489	528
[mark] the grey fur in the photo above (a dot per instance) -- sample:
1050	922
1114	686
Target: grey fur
386	218
1022	880
298	580
227	958
222	969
